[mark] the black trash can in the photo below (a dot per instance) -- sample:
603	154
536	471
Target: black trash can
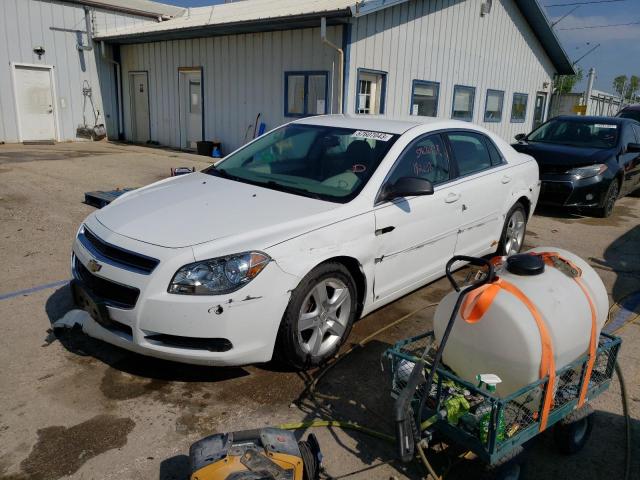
205	148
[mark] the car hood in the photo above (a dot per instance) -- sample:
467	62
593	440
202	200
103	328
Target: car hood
198	208
551	155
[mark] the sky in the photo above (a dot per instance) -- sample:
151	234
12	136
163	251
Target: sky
619	51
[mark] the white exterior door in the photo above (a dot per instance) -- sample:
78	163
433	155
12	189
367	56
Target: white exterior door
190	108
35	104
416	236
139	91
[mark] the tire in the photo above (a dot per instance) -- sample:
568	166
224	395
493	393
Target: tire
609	200
513	231
509	467
572	432
309	341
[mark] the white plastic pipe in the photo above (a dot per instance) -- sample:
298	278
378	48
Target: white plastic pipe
323	36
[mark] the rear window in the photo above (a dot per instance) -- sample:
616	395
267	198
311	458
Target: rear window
633	114
577	133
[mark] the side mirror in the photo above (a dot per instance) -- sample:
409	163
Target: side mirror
520	136
633	148
407	187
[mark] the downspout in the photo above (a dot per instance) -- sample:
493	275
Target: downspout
323	36
118	86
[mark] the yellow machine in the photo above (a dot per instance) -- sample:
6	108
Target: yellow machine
266	454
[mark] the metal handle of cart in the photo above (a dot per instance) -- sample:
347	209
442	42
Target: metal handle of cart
404	427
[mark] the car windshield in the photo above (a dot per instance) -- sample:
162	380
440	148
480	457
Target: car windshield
323	162
577	133
633	114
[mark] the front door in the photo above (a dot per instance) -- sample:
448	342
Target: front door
139	88
539	109
416	236
34	94
190	108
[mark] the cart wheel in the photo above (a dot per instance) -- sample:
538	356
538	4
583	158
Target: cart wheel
509	467
573	431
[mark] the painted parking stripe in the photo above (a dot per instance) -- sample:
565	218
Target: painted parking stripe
27	291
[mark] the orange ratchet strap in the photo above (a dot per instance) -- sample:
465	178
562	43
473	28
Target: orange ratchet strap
554	259
478	302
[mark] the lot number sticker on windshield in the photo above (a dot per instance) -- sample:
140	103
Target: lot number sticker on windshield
383	137
602	125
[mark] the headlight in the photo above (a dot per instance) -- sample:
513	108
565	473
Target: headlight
218	275
587	172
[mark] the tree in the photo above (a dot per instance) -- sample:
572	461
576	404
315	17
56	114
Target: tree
566	83
619	84
634	85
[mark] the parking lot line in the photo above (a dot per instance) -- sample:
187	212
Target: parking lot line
27	291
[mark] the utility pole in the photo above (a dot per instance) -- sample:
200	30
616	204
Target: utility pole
590	79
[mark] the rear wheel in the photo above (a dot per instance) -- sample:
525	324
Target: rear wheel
318	318
572	432
609	200
513	231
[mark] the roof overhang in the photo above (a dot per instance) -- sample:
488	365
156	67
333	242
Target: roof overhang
253	26
539	23
142	8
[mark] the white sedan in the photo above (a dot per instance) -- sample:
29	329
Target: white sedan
281	246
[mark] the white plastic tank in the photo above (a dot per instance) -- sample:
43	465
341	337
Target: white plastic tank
506	341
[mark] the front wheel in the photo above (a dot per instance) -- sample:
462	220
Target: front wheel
609	200
318	318
513	232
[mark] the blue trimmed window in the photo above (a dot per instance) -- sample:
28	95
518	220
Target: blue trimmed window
519	107
371	90
424	98
463	102
493	106
305	93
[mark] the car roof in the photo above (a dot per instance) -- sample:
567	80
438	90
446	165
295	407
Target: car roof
594	118
381	123
634	107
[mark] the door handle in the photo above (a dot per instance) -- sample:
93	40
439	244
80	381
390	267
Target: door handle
382	231
452	197
506	179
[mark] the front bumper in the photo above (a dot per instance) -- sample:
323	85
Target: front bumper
235	329
566	191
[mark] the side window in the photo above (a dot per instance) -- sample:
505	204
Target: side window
425	158
305	93
628	136
371	92
470	152
519	107
463	101
494	153
493	106
424	98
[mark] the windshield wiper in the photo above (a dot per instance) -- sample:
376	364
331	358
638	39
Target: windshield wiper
284	188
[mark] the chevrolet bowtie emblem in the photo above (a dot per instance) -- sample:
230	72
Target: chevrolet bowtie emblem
93	266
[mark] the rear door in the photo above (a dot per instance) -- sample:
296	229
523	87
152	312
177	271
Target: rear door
483	184
415	236
629	161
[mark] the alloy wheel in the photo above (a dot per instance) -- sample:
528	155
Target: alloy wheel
324	316
514	234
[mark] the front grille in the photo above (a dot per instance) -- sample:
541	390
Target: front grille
553	169
112	293
210	344
556	193
127	259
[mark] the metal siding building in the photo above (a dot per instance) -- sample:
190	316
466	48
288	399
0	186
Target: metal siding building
448	42
242	75
208	72
26	25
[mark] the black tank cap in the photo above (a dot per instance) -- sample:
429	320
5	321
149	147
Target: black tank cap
525	264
